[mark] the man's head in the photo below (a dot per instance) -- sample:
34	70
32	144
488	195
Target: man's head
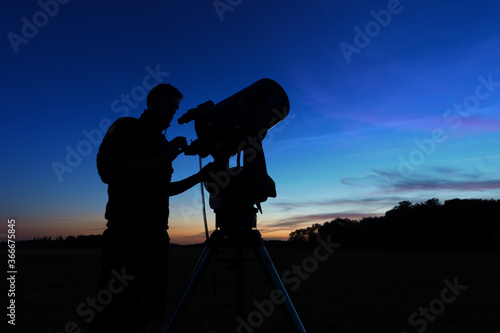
163	100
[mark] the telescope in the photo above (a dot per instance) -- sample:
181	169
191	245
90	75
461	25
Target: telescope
237	125
223	128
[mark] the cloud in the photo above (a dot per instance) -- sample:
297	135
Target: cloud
198	235
420	187
480	124
371	201
442	184
431	179
301	221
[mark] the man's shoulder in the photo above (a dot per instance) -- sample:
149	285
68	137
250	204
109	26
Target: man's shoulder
126	121
123	124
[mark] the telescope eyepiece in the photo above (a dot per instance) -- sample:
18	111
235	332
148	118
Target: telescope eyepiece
191	114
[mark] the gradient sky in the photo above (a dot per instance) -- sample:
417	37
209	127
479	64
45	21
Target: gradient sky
390	101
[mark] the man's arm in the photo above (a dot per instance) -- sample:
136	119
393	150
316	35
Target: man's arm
185	184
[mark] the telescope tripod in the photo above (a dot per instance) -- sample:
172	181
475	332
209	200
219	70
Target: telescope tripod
233	231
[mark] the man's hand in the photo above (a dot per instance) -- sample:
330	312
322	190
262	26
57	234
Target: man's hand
177	146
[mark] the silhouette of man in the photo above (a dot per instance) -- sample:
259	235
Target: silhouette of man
135	160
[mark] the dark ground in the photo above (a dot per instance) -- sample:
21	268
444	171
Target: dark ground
351	291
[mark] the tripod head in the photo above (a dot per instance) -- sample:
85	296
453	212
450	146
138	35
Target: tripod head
234	192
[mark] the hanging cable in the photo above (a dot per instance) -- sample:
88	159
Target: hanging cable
203	204
214	295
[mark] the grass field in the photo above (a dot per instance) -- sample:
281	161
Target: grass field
351	291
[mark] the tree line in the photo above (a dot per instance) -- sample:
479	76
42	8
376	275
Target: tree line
81	241
458	224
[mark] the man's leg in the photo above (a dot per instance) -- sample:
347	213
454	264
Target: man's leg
123	277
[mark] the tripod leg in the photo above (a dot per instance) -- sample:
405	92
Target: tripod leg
193	281
274	277
240	276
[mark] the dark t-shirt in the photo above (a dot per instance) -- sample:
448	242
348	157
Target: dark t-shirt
138	201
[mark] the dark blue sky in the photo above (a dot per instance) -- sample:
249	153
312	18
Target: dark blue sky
390	101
